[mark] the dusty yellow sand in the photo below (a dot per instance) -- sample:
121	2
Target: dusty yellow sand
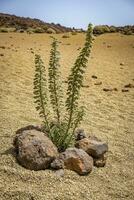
109	115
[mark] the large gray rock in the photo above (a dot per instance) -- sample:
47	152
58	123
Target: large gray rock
77	160
92	146
34	150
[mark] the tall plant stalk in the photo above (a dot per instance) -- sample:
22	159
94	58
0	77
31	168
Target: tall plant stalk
75	79
40	90
54	81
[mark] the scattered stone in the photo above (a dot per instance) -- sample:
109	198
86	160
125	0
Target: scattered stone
2	47
125	90
98	83
109	46
34	150
122	63
100	162
93	147
77	160
129	85
115	89
1	54
85	86
80	134
95	77
107	89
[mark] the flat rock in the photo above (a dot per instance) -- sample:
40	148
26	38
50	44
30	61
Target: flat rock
77	160
92	146
34	150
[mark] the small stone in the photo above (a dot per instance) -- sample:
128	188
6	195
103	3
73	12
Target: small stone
115	89
107	90
129	85
125	90
1	54
98	83
57	164
122	63
93	76
100	162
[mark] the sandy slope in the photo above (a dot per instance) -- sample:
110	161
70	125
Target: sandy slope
110	116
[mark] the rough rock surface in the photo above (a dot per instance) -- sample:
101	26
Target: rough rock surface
57	164
34	150
77	160
93	147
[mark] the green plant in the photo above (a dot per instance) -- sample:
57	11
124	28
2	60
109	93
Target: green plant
49	93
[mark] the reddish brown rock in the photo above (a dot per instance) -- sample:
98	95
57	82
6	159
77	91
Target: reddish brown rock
34	150
92	146
77	160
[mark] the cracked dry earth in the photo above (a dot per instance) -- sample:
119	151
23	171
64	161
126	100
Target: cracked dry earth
109	116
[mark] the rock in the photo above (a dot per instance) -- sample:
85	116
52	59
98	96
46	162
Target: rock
77	160
107	89
57	164
129	85
1	54
98	83
93	76
80	134
34	150
125	90
109	46
100	162
115	89
122	63
93	147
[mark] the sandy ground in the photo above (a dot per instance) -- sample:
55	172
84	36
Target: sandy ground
109	115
